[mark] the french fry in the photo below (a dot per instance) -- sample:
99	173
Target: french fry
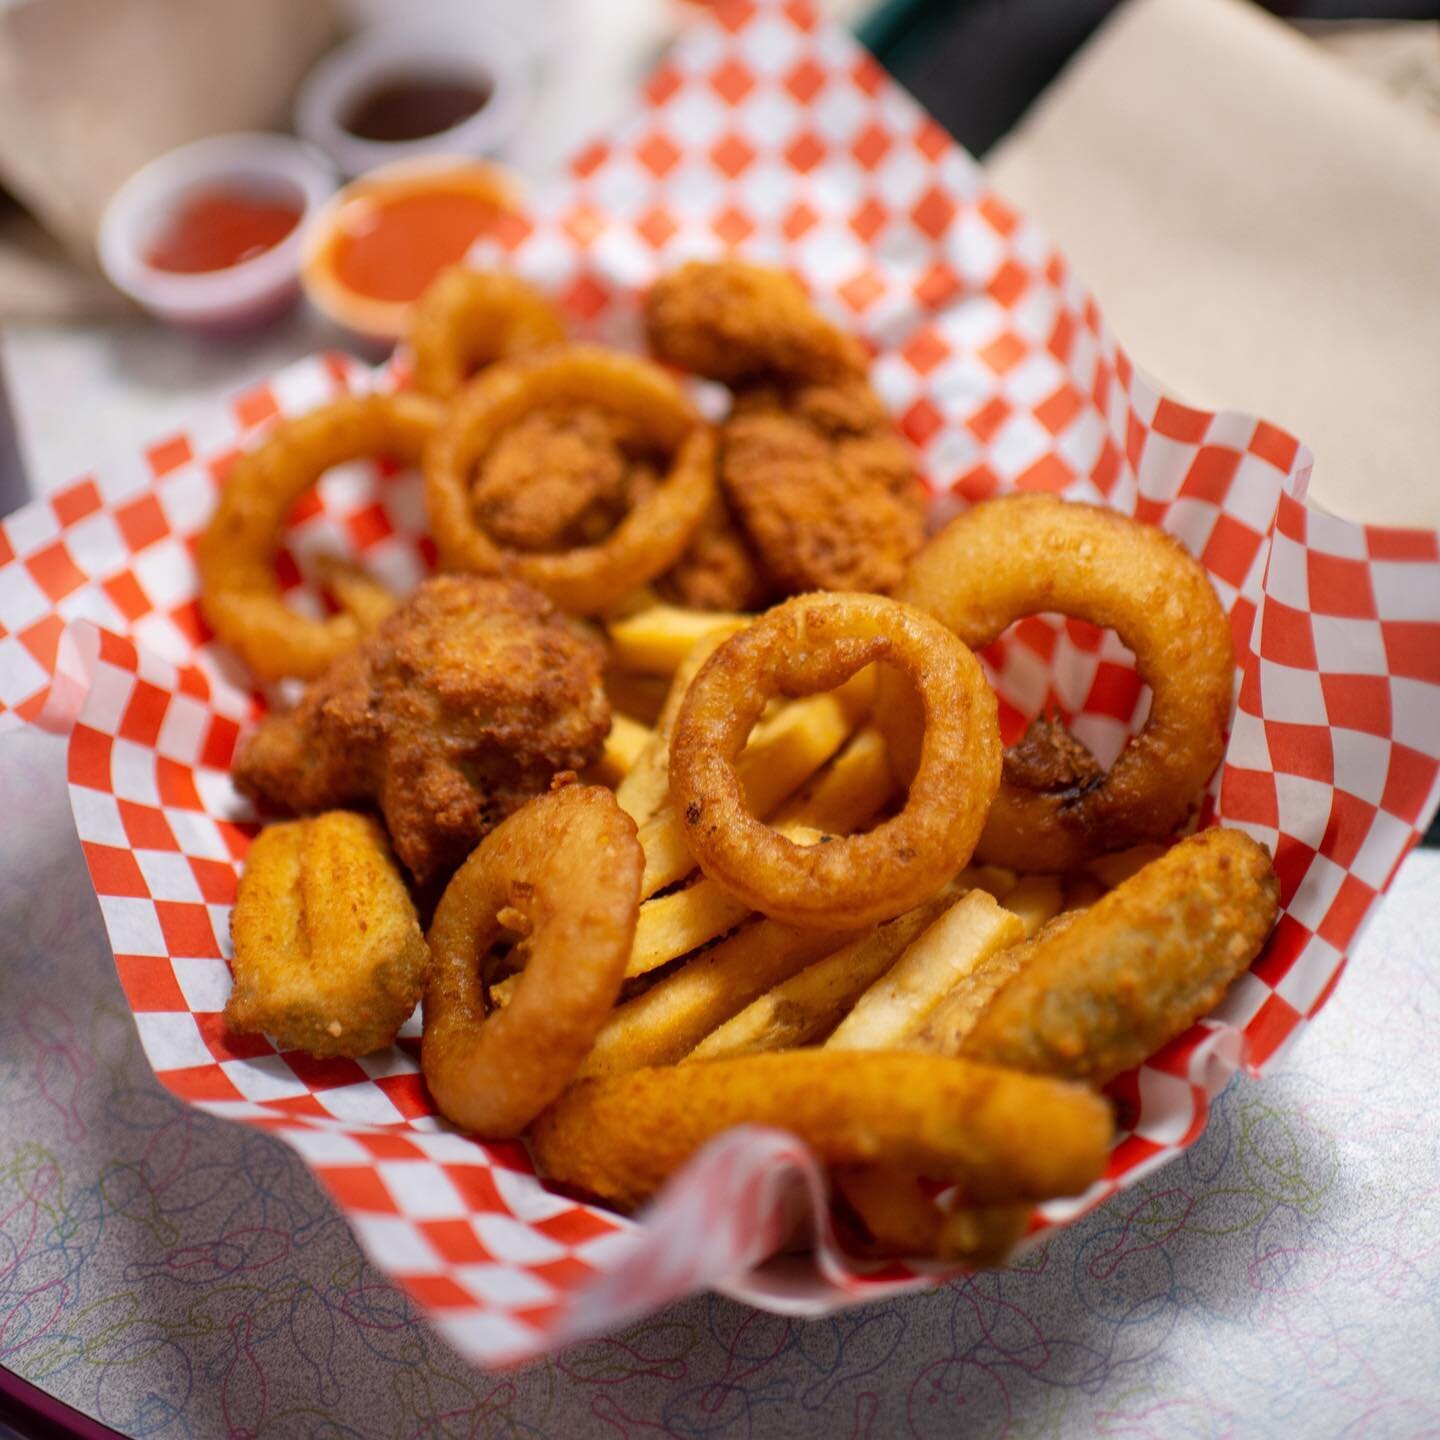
848	792
995	880
783	752
1116	868
647	787
845	795
1035	899
897	1004
656	640
673	925
624	745
813	1002
355	591
903	1218
951	1021
671	1017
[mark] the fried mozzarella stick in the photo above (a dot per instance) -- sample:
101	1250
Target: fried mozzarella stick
999	1135
1139	966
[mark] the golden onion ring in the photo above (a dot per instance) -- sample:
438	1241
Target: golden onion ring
470	317
589	579
1022	555
813	643
239	591
564	873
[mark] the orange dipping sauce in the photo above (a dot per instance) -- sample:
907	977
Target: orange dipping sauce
377	246
392	248
215	229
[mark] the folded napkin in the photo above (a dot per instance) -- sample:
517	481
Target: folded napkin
1262	226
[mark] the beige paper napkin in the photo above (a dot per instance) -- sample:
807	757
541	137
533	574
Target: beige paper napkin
91	89
1262	228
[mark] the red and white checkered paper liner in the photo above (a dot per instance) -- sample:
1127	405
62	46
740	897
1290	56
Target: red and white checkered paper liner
769	131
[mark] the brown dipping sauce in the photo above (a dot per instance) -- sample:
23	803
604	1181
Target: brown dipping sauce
412	107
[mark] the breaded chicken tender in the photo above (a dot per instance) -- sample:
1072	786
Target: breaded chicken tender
720	570
823	486
744	324
457	710
1098	995
559	478
329	957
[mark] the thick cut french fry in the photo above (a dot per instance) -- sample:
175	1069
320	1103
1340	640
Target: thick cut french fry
903	1218
673	925
847	793
782	754
897	1004
671	1017
1035	899
623	746
1116	868
947	1025
1001	1136
810	1004
646	788
656	640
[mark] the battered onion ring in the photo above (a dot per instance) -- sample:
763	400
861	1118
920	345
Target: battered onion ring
589	579
813	643
469	317
239	592
570	865
1023	554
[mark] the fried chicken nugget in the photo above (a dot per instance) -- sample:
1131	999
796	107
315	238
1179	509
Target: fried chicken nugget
1101	993
329	956
742	323
823	486
1002	1136
458	709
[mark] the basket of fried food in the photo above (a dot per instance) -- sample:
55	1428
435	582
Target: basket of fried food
678	799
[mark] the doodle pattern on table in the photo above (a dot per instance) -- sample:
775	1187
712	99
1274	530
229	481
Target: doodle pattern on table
174	1275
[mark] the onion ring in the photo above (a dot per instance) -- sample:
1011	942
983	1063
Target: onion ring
813	643
468	317
592	578
567	868
1020	555
239	592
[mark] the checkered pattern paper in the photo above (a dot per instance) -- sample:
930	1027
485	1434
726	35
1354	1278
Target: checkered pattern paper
767	131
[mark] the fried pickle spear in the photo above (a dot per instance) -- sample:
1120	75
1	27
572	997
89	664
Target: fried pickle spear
1139	966
1002	1136
329	958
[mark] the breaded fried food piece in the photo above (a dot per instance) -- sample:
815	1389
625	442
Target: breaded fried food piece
720	570
329	957
823	486
1101	993
457	710
999	1135
742	323
558	478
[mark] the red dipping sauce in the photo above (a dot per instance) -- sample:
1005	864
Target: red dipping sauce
215	229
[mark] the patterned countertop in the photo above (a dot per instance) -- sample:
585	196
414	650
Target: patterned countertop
176	1275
